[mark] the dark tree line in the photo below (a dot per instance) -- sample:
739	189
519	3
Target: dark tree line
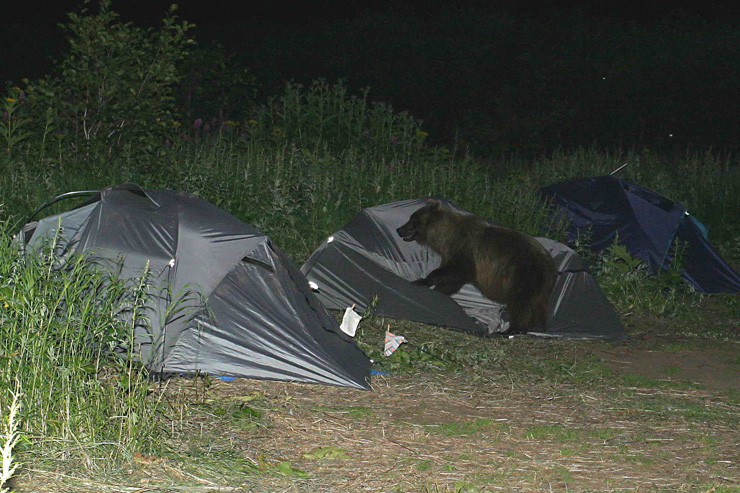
490	82
512	83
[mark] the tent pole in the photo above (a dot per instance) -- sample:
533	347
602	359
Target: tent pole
618	169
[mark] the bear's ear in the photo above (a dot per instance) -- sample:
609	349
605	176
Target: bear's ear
434	204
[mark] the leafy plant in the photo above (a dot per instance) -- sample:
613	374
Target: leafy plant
326	116
330	452
115	85
631	286
13	123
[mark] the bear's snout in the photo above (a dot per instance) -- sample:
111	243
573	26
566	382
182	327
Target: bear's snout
406	232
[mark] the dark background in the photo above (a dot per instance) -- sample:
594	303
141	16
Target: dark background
493	76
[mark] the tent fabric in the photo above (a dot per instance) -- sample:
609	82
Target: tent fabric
226	301
366	263
605	207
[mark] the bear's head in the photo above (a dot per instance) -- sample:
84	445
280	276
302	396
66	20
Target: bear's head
418	224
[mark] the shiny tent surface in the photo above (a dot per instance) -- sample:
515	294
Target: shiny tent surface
225	300
604	208
366	260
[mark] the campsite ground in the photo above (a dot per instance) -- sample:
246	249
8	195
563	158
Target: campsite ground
657	412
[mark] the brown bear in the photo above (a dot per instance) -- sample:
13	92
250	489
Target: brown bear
507	266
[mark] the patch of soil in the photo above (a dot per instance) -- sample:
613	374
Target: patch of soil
715	368
447	432
443	431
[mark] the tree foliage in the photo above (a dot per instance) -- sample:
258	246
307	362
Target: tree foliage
116	83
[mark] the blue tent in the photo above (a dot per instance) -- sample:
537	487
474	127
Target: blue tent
647	224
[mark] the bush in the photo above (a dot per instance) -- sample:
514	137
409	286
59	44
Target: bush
115	85
326	116
630	285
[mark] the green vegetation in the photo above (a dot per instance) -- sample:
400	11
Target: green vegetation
112	90
60	327
455	428
297	167
327	453
557	433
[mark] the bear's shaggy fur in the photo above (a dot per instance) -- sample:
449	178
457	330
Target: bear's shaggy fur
507	266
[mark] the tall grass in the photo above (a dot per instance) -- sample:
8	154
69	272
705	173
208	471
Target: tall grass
315	156
10	437
301	168
708	184
60	328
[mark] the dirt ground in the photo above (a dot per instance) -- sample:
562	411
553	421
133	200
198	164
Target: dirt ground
450	433
639	416
712	368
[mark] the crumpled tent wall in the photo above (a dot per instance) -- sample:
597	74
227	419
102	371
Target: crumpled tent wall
647	223
241	307
367	258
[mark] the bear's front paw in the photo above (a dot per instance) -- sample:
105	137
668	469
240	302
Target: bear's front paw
420	282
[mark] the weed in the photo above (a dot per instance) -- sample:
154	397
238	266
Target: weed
672	370
247	418
731	396
561	474
10	438
628	281
359	412
640	459
13	124
562	365
58	339
464	486
457	428
557	433
330	452
604	434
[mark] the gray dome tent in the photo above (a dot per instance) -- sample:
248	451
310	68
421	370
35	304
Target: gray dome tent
243	309
367	258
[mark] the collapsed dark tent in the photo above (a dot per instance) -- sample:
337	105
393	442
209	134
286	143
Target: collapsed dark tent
248	311
604	207
367	258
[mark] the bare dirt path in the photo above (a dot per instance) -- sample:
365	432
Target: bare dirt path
640	416
484	432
